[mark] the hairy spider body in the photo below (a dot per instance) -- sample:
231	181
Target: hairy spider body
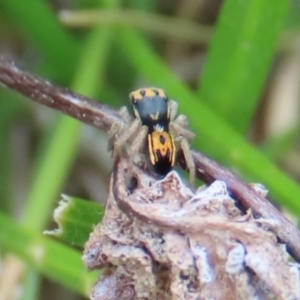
151	106
154	121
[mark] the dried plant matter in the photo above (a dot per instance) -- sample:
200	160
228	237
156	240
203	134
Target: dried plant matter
160	240
102	116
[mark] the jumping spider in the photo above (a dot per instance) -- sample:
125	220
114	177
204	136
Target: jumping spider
155	119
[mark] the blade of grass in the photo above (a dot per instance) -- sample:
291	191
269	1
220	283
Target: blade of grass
61	151
240	57
58	262
75	219
214	135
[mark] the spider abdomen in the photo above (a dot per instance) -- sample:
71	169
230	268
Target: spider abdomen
162	151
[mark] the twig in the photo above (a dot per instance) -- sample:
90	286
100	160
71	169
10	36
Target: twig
61	99
102	116
208	171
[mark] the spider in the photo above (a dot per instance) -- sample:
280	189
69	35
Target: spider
154	119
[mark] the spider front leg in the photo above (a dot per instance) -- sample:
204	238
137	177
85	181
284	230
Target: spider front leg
125	136
118	127
178	129
180	125
137	144
140	140
173	108
185	146
120	133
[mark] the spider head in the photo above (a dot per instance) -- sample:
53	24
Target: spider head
151	106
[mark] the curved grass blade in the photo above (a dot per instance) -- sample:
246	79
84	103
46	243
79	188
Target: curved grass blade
239	58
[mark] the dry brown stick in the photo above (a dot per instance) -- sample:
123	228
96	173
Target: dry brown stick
62	99
102	116
208	171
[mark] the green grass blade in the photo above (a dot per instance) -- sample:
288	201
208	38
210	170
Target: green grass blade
214	136
62	149
240	57
51	172
58	262
76	219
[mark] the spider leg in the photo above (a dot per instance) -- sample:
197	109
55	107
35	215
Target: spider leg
112	132
177	130
184	145
124	136
173	108
137	143
182	121
123	111
118	127
139	140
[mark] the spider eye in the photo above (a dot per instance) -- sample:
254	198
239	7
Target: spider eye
156	92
